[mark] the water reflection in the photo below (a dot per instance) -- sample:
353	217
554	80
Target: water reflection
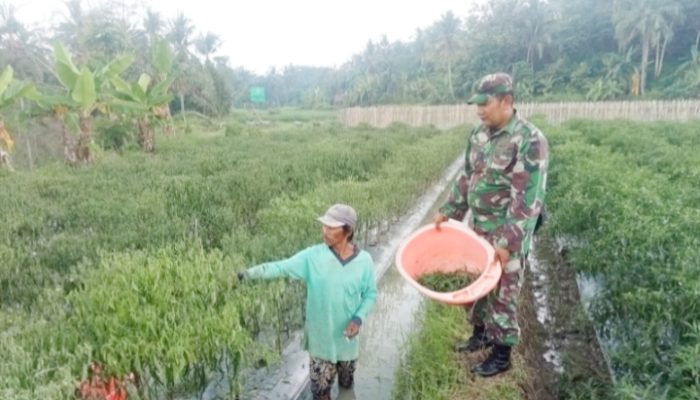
346	394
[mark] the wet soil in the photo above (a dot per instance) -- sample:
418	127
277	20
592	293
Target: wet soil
559	345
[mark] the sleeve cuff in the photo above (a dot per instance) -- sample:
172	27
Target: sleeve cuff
451	211
446	210
357	320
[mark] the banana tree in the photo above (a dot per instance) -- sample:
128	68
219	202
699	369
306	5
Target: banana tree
147	99
86	91
10	91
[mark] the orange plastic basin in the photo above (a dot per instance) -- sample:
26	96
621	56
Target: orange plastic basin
452	248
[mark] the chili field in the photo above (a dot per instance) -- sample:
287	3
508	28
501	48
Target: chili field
625	204
130	263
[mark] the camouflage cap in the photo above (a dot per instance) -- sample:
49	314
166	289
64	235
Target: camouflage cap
492	84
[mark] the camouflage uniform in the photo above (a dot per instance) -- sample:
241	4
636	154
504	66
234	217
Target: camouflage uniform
503	184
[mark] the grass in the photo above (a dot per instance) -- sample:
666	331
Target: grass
441	282
433	370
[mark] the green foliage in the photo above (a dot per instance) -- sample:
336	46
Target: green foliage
142	97
604	89
146	94
83	91
432	369
164	313
163	57
628	194
131	262
114	136
5	79
11	90
233	128
85	86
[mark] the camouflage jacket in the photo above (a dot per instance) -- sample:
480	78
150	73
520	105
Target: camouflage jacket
503	183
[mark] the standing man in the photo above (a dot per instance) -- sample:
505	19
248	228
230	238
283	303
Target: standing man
340	292
503	185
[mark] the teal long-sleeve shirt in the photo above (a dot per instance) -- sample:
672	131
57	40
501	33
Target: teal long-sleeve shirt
336	292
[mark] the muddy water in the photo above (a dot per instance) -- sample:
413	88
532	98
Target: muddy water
540	275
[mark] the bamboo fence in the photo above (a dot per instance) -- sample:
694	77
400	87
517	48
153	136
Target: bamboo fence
447	116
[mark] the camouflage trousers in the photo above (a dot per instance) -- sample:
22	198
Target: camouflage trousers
498	312
322	374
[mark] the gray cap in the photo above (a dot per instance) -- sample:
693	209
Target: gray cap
339	215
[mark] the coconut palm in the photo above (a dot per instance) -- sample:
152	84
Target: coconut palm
21	47
445	37
644	21
207	45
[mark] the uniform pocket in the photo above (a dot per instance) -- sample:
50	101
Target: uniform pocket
503	157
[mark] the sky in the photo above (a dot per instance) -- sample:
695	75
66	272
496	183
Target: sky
259	34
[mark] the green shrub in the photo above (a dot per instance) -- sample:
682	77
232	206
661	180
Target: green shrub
115	136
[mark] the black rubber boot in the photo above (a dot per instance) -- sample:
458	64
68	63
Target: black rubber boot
478	341
497	362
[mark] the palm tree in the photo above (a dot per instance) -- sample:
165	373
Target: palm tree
446	43
217	97
620	68
691	14
21	47
181	30
537	28
152	25
73	30
688	74
664	33
643	20
207	45
180	34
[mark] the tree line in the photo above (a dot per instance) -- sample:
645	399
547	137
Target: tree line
557	50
